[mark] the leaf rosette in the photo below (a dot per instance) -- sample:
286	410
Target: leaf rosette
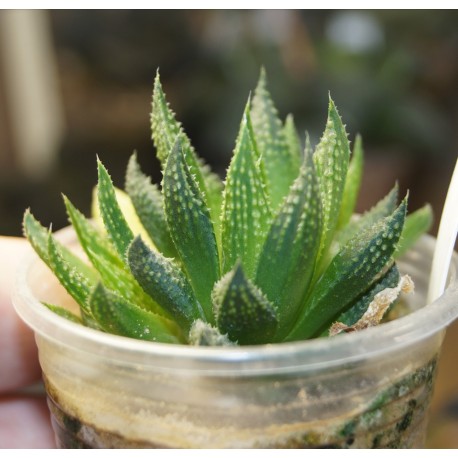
274	253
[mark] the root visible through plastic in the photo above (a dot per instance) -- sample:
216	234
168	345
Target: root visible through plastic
376	309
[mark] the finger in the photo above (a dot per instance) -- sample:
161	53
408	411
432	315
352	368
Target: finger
25	423
18	353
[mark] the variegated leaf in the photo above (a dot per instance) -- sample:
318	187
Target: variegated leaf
118	316
242	311
127	209
281	164
246	210
288	257
355	268
191	228
165	283
149	206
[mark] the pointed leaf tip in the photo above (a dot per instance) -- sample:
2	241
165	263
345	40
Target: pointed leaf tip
242	311
281	165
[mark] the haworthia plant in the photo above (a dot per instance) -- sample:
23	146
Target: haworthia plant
274	253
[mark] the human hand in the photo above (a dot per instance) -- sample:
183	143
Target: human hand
24	418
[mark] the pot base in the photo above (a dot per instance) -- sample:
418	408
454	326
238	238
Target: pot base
395	419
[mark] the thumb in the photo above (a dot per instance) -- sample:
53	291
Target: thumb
18	353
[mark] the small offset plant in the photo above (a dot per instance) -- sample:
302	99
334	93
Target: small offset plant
272	254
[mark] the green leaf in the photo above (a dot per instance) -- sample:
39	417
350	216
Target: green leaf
165	283
416	224
118	316
165	129
331	162
64	313
77	284
191	227
113	270
127	209
287	259
352	184
246	211
38	238
149	206
357	266
98	248
382	209
308	151
214	198
359	307
74	275
281	164
242	310
292	139
205	335
116	225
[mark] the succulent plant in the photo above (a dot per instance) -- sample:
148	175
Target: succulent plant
272	254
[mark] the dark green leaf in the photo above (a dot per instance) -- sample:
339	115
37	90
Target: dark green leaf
191	228
242	310
245	215
165	283
281	164
359	307
287	259
118	316
149	206
355	268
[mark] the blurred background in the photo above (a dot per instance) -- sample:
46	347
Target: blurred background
76	84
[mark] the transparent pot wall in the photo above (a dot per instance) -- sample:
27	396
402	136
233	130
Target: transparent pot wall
366	389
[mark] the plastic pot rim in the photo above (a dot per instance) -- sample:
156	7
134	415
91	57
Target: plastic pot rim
310	355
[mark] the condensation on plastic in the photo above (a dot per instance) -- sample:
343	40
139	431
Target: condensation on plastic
365	389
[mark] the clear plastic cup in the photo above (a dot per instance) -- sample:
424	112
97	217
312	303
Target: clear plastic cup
365	389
